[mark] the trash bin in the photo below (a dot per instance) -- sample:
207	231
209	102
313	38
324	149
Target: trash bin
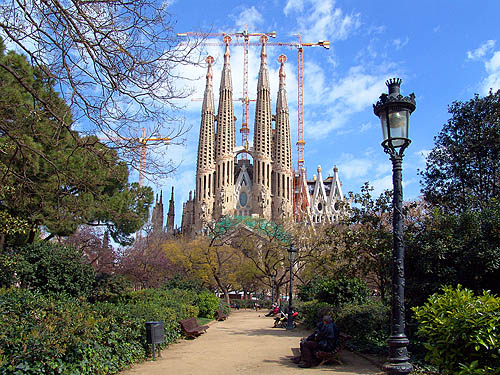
155	334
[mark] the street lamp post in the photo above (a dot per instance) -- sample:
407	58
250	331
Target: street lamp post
394	112
292	252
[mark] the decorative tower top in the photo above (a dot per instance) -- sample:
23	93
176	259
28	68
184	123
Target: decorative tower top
319	169
263	73
226	70
282	60
208	100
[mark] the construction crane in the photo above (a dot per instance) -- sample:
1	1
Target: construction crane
245	99
142	143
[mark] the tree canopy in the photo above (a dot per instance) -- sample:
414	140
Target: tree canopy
54	178
117	64
463	168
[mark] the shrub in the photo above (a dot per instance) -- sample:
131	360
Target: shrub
110	288
311	312
54	268
368	325
208	303
335	292
60	334
224	307
183	283
462	331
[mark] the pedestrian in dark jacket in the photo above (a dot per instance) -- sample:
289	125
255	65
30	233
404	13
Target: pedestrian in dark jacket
323	339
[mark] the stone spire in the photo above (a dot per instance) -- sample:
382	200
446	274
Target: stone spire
225	142
282	167
204	197
263	140
171	214
157	216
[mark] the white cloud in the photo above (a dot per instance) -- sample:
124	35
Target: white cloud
481	51
398	43
354	167
249	17
351	94
381	184
491	60
322	20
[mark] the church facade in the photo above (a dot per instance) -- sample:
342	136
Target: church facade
261	184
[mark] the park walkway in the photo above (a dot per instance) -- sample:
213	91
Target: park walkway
243	344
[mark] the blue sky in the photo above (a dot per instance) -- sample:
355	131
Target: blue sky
443	51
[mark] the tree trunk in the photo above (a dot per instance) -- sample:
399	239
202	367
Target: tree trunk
223	288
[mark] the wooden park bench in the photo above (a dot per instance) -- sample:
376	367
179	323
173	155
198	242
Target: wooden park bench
219	315
334	355
191	328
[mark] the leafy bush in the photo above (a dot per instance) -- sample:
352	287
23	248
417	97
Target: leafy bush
335	291
183	283
367	324
110	288
54	268
224	307
462	331
208	303
311	312
60	334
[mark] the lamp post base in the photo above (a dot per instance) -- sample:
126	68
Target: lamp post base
397	363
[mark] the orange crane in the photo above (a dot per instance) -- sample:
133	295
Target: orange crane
142	141
245	100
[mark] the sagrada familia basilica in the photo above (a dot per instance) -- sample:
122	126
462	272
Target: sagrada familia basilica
266	188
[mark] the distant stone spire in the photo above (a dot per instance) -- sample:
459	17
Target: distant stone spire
282	167
225	142
171	214
263	130
157	216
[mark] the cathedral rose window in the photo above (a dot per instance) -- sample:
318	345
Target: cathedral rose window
243	199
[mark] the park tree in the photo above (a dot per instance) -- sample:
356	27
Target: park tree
117	64
145	263
463	168
53	179
213	262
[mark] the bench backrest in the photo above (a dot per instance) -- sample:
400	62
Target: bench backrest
189	324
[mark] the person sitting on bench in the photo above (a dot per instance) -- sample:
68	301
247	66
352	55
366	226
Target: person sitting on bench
323	339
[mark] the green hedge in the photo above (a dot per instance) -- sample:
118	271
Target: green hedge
208	303
462	331
59	334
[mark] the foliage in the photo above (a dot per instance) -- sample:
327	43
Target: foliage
184	283
110	288
367	324
334	291
213	264
312	311
58	334
461	248
207	303
224	307
57	178
115	63
461	330
53	268
463	170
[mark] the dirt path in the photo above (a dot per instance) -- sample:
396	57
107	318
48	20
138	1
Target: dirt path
243	344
